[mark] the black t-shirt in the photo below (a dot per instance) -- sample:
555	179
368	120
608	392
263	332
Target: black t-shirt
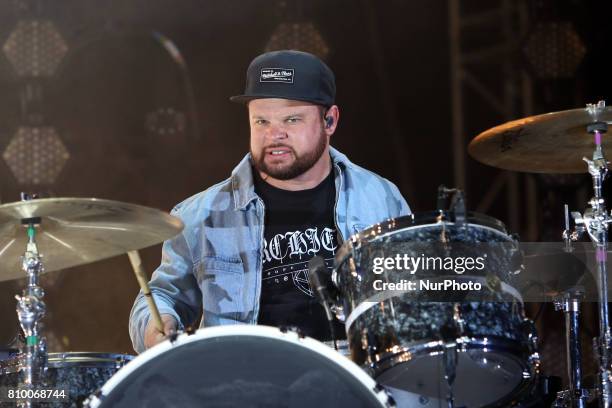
298	226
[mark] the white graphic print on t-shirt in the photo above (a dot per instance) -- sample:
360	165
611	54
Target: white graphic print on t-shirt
287	255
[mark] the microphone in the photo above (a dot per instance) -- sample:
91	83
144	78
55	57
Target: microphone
316	266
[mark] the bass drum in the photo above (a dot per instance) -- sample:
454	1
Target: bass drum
410	340
240	366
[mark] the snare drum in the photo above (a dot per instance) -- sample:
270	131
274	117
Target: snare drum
240	366
79	374
489	347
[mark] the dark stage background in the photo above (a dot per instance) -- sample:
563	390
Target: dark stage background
140	126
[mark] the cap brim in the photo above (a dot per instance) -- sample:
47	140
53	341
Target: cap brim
248	98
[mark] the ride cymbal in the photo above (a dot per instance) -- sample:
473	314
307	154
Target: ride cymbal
549	143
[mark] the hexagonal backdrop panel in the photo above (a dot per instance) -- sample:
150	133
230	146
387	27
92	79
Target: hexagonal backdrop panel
554	49
36	155
35	48
165	122
298	36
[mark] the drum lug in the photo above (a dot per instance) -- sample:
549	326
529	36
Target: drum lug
334	278
534	359
386	395
172	337
94	399
529	331
459	320
119	362
338	311
292	329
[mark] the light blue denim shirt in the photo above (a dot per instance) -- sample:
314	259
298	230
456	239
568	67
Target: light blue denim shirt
214	266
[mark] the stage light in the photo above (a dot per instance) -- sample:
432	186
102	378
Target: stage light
36	155
35	48
298	36
554	49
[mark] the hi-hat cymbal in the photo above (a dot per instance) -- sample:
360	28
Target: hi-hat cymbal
77	231
549	143
553	272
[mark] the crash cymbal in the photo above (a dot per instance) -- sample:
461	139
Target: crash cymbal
549	143
77	231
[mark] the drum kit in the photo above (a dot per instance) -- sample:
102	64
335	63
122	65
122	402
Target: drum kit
471	351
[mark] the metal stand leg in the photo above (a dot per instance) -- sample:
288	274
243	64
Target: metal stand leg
450	370
576	396
595	222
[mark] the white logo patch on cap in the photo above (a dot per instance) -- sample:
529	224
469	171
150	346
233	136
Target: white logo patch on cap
283	75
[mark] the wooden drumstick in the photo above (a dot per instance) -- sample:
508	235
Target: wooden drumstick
143	282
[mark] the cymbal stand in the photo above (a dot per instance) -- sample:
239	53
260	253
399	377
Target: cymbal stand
30	311
449	359
595	222
576	396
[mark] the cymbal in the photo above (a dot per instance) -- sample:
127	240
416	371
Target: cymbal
549	143
554	272
77	231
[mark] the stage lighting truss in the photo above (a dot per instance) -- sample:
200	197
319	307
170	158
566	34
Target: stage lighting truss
302	36
165	122
36	155
35	48
554	50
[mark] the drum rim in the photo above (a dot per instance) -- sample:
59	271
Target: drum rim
424	218
520	349
72	358
383	228
527	358
246	330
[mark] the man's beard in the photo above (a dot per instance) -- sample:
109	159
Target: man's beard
301	164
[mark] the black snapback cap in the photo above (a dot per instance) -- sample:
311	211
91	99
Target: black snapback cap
289	74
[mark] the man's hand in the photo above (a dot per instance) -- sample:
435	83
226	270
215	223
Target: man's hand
153	335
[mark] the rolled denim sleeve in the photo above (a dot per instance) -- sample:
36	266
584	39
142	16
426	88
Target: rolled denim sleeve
404	208
396	203
173	286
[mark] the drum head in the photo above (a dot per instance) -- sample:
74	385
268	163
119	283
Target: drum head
239	371
481	378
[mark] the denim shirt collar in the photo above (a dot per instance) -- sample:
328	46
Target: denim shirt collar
243	188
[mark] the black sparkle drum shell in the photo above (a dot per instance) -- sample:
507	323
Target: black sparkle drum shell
401	336
7	353
80	374
241	366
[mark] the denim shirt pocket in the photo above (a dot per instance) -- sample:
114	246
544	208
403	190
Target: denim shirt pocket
221	280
